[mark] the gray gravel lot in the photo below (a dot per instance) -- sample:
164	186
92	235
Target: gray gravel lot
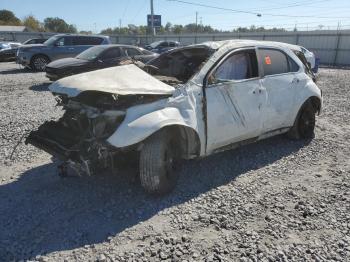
276	200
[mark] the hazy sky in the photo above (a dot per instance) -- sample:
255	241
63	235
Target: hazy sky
96	15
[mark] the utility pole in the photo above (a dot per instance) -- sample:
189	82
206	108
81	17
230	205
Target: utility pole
152	22
120	24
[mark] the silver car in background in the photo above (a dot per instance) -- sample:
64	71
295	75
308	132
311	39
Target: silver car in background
37	56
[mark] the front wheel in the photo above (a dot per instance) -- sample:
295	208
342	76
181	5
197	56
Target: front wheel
304	126
39	63
158	159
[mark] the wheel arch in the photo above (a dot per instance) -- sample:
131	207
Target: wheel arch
187	139
134	132
313	101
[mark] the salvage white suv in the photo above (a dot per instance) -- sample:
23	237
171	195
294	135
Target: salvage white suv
187	103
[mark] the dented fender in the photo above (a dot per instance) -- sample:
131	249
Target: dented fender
183	109
139	129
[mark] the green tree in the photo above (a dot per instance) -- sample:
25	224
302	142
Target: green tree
58	25
168	27
177	29
31	22
8	18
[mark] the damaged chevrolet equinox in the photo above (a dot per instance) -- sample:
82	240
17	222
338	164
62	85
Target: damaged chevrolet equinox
187	103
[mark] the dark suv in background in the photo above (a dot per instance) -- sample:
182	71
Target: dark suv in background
37	56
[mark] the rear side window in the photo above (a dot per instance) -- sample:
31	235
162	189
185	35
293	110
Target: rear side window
238	66
132	51
111	53
87	40
274	61
172	44
164	44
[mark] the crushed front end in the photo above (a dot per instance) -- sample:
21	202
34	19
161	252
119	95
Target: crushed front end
79	137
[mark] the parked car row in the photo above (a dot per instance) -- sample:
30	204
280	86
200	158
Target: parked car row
65	54
96	57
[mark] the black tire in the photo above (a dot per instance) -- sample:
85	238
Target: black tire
304	126
158	158
39	62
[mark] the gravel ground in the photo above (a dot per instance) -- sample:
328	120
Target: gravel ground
276	200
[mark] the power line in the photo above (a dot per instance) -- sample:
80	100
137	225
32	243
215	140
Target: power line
295	5
215	7
254	13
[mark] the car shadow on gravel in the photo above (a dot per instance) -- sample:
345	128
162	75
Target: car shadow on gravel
40	87
41	213
16	71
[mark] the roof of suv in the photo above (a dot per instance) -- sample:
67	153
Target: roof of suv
103	36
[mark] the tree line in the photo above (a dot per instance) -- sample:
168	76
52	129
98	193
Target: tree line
58	25
50	24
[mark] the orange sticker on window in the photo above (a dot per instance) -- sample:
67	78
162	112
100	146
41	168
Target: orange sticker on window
267	60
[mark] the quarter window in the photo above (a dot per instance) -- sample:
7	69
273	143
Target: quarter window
238	66
293	67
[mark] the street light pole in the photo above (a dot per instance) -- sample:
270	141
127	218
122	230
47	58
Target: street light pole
152	21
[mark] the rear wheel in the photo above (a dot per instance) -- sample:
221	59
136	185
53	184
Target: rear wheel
39	62
304	126
158	159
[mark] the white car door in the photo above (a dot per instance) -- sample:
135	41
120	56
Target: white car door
235	100
280	81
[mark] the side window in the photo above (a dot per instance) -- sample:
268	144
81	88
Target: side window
64	41
132	51
172	44
274	61
238	66
87	40
110	53
94	40
164	44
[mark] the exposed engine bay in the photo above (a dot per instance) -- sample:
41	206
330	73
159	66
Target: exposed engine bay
79	136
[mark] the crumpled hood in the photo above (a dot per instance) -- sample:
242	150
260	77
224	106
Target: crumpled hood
121	80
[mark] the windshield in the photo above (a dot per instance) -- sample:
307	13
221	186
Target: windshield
52	40
91	53
155	44
180	64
